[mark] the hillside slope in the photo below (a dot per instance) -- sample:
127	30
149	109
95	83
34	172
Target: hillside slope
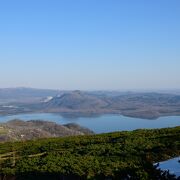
142	105
120	155
18	130
76	101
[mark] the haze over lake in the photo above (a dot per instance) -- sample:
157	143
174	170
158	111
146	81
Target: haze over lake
102	124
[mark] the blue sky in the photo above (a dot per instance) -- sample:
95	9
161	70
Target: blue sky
90	44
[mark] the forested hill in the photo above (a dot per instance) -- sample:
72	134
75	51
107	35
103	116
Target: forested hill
119	155
18	130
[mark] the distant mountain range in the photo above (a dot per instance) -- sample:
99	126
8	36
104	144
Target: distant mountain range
143	105
80	103
25	95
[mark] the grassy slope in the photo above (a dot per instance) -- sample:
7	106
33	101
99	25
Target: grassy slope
114	155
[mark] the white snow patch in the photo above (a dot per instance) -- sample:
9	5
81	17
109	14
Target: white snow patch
48	99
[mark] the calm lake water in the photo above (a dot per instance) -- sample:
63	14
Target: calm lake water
101	124
172	165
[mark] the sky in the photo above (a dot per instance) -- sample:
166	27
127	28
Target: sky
90	44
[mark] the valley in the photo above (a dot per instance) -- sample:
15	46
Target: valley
87	135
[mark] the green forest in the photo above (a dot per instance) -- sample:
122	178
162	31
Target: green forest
118	155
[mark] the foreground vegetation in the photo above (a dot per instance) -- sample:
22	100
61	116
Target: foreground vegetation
119	155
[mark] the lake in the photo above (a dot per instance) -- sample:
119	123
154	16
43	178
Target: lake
102	124
172	165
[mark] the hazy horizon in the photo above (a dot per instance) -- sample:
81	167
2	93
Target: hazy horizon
90	45
170	90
